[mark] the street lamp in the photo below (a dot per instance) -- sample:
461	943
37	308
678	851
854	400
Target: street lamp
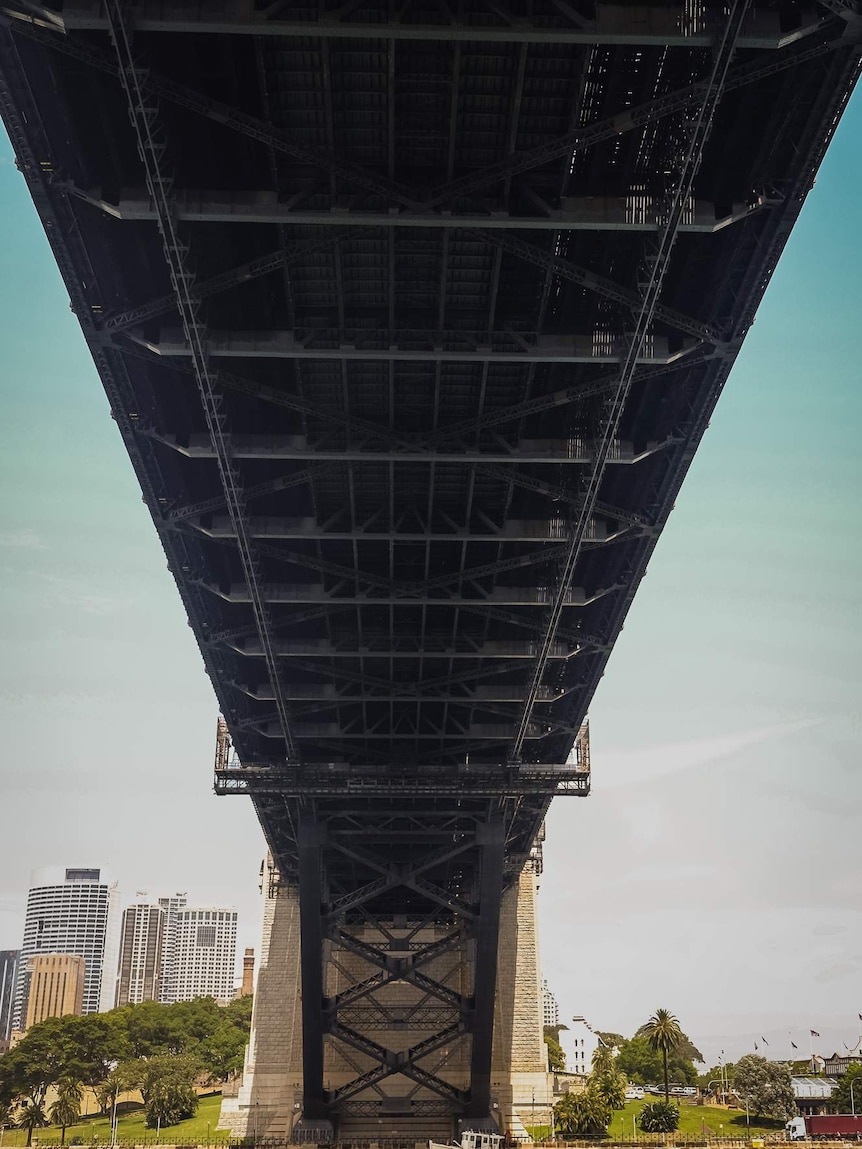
852	1098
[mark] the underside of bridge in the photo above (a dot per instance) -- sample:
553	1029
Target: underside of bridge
411	315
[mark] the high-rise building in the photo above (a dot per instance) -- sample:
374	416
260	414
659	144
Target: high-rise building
72	911
172	907
8	977
55	986
550	1009
204	958
247	987
141	954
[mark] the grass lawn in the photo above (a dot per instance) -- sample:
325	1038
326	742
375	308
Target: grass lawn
200	1129
694	1121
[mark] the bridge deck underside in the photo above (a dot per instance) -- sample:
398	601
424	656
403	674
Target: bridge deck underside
412	327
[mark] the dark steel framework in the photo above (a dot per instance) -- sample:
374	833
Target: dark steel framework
484	268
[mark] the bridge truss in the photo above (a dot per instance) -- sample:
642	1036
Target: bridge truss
412	316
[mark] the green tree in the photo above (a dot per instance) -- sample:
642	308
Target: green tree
166	1085
842	1102
32	1116
606	1080
223	1052
67	1108
664	1035
765	1087
659	1117
35	1063
7	1111
556	1055
238	1011
582	1115
603	1059
171	1100
716	1074
644	1065
614	1040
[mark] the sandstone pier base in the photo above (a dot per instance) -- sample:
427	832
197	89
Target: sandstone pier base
268	1100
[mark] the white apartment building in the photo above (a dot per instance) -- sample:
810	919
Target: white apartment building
171	906
550	1009
204	957
579	1043
72	911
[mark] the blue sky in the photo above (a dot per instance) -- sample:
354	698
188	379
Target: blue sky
714	870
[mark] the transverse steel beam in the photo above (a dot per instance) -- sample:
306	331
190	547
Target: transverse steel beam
658	26
637	213
598	347
280	447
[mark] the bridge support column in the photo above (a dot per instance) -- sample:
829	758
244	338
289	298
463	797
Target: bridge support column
506	1072
491	838
267	1100
314	1114
520	1083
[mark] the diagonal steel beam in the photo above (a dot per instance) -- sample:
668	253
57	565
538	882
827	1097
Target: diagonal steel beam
577	140
660	263
153	84
599	284
148	133
244	273
564	396
257	490
680	101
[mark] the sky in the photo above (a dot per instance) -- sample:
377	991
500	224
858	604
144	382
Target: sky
713	871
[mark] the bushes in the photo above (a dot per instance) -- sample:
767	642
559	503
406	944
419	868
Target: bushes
659	1117
582	1115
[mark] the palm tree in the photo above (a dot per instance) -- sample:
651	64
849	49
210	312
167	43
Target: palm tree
67	1108
32	1116
603	1058
664	1035
6	1118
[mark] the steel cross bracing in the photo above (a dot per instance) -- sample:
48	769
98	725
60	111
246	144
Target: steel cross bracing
433	261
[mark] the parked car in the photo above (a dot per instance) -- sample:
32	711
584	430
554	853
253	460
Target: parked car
634	1093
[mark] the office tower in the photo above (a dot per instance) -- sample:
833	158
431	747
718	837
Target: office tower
247	987
171	906
141	954
72	911
8	976
55	986
204	957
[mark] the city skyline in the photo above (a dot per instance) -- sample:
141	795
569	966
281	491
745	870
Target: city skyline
725	735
